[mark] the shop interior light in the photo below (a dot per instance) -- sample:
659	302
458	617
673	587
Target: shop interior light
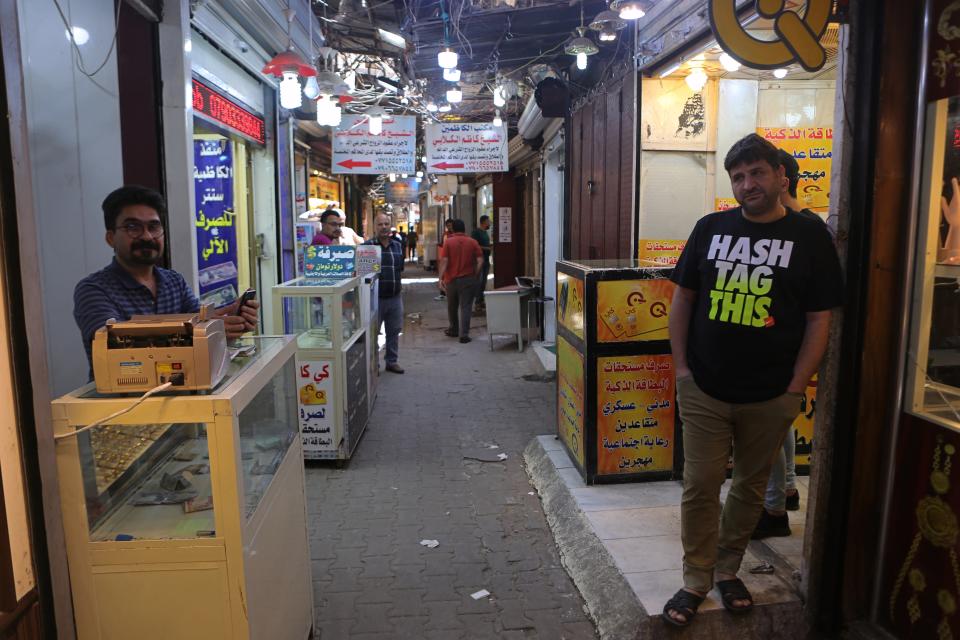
424	159
291	97
498	99
447	59
629	9
728	63
392	177
444	108
454	94
81	36
431	106
696	79
419	174
497	120
780	73
669	71
451	75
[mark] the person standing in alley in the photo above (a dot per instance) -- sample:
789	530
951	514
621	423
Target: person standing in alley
782	495
748	327
412	242
482	235
461	261
331	228
391	298
447	230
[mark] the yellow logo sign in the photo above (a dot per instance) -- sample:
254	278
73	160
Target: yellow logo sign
799	38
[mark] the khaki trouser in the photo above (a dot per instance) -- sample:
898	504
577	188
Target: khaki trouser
757	430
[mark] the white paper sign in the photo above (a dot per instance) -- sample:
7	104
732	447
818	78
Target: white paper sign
368	259
466	147
505	224
315	406
356	150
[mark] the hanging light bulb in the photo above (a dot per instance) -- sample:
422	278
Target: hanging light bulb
607	34
451	75
629	9
311	89
447	59
291	97
392	177
419	174
728	62
581	47
454	94
780	73
431	106
696	79
498	99
375	119
403	175
444	108
329	112
497	120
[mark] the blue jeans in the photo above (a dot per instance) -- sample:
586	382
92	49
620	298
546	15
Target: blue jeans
391	315
783	475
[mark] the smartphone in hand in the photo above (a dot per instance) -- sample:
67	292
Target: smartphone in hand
248	295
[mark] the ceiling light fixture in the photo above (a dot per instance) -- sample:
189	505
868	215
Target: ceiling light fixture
630	9
451	75
311	90
444	108
454	94
80	36
290	67
329	112
447	59
391	38
780	74
728	63
498	99
581	46
608	20
431	106
291	97
392	177
607	35
696	79
497	120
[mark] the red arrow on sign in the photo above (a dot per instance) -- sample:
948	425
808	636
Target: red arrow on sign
447	165
350	163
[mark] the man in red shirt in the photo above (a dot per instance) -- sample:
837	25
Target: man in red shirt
331	224
461	261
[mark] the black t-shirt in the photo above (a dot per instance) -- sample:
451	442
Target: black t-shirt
755	284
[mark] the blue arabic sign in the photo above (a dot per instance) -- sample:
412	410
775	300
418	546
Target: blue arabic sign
216	221
329	261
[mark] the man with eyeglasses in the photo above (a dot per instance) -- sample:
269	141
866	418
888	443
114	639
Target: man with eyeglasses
331	228
133	284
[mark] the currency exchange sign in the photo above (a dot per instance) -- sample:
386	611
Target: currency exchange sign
356	150
466	147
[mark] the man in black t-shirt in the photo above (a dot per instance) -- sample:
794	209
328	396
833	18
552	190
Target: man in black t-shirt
748	327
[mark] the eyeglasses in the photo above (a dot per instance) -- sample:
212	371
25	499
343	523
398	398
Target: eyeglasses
136	229
334	224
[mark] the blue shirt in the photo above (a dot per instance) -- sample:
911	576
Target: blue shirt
113	293
391	267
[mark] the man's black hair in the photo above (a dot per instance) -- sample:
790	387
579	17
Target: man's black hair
749	149
458	226
791	169
329	213
484	218
127	195
448	221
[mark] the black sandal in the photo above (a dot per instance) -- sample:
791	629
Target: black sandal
684	603
731	590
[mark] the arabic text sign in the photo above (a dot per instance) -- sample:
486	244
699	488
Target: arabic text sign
329	261
356	150
635	414
215	220
812	147
570	401
368	259
316	405
466	147
633	310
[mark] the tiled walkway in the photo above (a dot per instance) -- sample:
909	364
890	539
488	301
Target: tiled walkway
409	481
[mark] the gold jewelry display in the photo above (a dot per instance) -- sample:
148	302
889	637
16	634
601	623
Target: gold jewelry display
937	524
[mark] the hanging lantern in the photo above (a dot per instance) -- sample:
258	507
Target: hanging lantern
581	47
289	66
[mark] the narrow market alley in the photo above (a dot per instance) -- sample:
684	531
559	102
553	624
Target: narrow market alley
410	480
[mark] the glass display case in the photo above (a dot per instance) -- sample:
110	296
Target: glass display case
173	496
330	321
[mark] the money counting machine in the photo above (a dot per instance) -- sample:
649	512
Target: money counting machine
136	355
